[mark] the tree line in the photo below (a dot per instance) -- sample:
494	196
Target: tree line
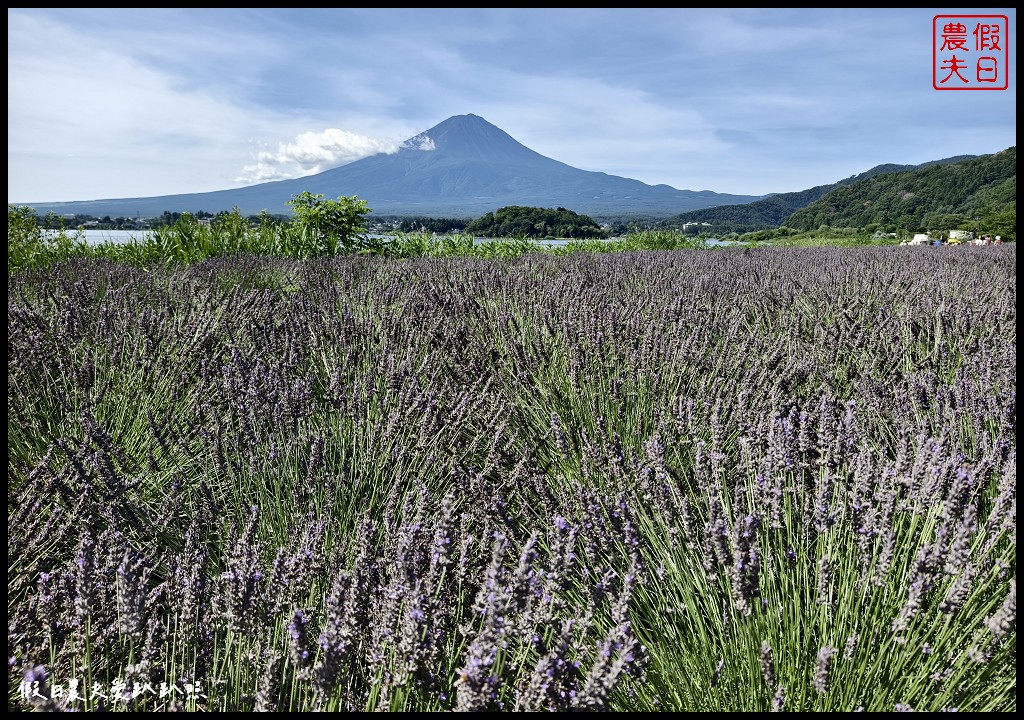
976	193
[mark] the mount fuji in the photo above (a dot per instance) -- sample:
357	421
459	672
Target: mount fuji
462	167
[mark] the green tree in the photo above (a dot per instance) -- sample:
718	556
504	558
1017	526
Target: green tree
518	220
29	244
22	226
328	226
1002	222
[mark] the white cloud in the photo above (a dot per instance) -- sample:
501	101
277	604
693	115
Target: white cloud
313	152
88	121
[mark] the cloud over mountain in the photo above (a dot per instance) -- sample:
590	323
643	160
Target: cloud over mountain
313	152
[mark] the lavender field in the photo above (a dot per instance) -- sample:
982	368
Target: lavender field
708	480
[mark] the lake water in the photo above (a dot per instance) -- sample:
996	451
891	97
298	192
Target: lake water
98	237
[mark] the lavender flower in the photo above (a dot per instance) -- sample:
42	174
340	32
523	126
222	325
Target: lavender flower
716	676
298	639
851	646
824	581
823	669
779	700
1001	623
767	664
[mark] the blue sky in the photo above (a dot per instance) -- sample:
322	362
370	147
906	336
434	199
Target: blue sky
113	103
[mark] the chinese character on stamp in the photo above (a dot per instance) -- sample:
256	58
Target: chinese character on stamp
970	52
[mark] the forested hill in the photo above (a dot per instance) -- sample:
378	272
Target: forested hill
766	213
517	220
775	210
933	197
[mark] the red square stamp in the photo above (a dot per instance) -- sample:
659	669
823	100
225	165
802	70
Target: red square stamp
970	52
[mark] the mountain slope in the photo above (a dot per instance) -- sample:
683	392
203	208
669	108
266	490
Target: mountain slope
935	195
462	167
774	210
